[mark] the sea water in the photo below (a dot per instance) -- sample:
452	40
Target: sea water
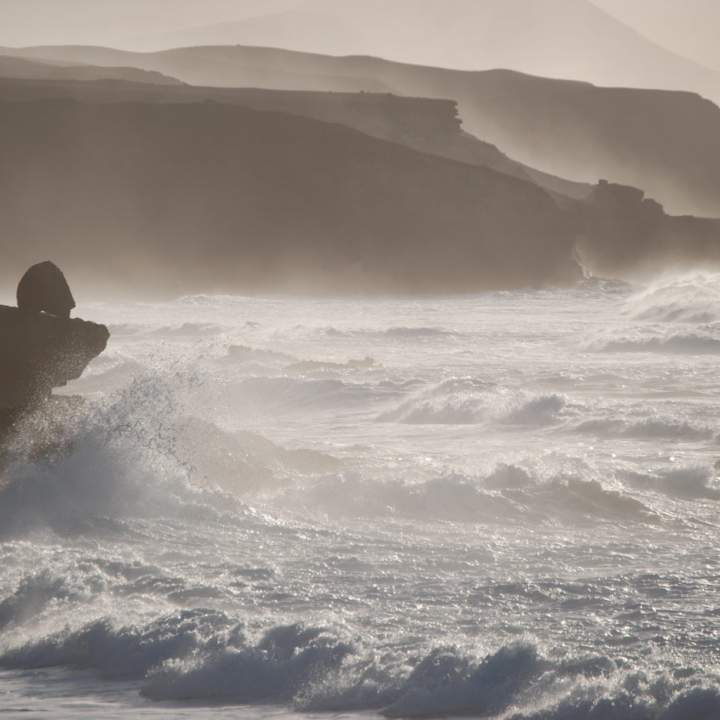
502	505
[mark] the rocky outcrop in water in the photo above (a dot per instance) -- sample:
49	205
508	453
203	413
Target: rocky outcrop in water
39	352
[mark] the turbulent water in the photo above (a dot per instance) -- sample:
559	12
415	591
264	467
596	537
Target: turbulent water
502	506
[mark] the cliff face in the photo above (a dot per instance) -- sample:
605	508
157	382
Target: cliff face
665	142
626	233
204	196
428	125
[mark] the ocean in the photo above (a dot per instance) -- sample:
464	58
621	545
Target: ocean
503	506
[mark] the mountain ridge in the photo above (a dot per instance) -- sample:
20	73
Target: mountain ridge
666	142
569	39
21	68
427	125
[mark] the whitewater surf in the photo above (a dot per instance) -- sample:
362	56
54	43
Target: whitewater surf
500	505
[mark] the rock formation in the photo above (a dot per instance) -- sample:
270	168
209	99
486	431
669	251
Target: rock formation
625	234
43	288
39	352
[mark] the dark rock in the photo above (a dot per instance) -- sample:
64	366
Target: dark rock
625	234
43	288
609	195
39	352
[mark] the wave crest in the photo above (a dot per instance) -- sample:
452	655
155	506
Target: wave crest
509	494
693	298
468	401
203	656
699	342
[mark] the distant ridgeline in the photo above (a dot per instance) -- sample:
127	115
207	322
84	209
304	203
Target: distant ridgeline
147	182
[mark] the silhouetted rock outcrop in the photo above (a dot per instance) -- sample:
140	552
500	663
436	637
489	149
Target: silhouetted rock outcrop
43	288
39	351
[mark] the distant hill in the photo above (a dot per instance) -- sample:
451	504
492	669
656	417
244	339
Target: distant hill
15	67
195	68
175	198
667	143
570	39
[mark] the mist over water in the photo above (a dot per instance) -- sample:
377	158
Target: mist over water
501	505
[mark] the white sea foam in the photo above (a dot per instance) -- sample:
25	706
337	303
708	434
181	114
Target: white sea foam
693	299
529	533
467	401
202	657
649	428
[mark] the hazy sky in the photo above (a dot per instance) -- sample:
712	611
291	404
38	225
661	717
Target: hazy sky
127	23
688	27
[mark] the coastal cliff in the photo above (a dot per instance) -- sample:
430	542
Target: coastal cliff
625	233
566	128
428	125
243	200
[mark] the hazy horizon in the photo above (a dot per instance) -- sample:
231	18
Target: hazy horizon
687	30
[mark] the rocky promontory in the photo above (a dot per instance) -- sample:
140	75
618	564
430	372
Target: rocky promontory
626	233
40	351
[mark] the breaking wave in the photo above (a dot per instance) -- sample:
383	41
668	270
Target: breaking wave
243	354
509	494
679	315
690	483
699	342
468	401
33	594
136	454
400	333
320	367
188	330
417	332
119	652
205	656
691	298
650	428
270	395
